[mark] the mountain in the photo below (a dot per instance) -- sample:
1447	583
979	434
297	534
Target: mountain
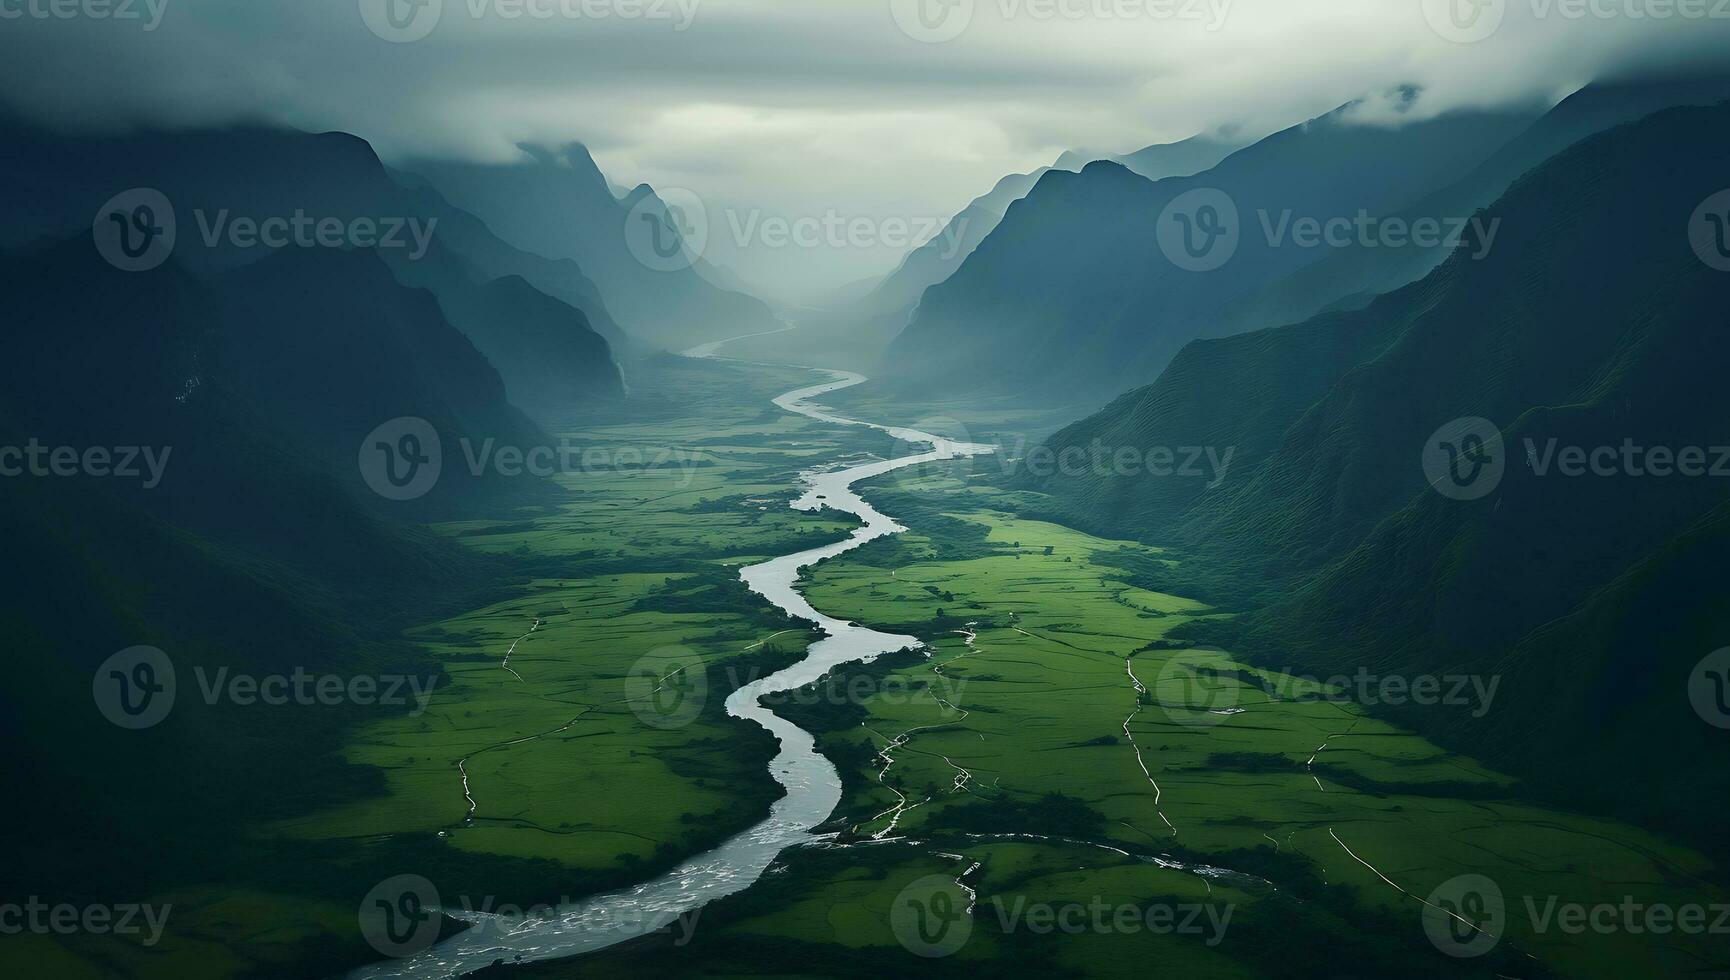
559	204
1592	323
1352	275
218	180
250	549
937	260
1074	292
332	346
1161	160
551	360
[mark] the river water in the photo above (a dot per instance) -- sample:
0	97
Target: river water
813	787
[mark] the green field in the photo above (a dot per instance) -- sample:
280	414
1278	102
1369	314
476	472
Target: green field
1062	745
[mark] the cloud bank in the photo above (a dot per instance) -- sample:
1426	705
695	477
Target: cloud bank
844	108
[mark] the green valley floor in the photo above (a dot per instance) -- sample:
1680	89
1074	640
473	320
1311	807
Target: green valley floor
1105	798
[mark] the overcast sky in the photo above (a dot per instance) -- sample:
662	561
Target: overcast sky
802	108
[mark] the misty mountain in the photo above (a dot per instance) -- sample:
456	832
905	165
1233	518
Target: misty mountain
331	345
257	549
559	204
1161	160
1352	276
1073	291
1594	323
550	358
222	183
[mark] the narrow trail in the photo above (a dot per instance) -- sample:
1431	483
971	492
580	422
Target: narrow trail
1141	692
963	776
512	651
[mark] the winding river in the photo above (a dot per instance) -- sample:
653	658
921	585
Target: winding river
813	787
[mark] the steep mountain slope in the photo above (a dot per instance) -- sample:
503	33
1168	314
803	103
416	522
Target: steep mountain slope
550	359
218	180
559	205
331	345
1074	292
1353	275
938	259
1593	323
253	552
